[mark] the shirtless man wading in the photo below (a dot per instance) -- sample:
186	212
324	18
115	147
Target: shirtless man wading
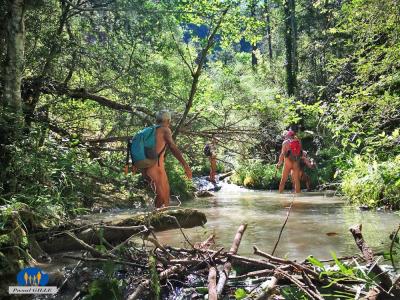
156	174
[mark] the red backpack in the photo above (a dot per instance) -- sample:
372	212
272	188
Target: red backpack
295	149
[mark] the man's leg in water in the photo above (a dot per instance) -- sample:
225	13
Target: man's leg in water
285	174
164	189
296	177
159	183
213	167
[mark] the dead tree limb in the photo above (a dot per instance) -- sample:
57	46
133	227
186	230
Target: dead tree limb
285	262
89	248
382	276
205	244
311	285
223	275
163	275
311	294
269	289
212	284
283	227
258	273
97	259
391	248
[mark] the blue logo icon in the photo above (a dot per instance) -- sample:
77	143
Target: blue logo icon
32	277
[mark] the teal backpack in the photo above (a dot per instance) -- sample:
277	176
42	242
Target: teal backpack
142	148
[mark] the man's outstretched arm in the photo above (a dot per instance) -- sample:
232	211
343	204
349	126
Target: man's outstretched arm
281	156
176	152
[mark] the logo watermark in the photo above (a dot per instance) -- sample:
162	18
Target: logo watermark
32	281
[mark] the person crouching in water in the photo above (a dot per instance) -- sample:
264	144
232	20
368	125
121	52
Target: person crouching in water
290	158
156	174
309	163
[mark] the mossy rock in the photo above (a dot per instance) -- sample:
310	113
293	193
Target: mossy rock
187	218
248	181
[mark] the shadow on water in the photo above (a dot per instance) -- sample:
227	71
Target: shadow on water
318	223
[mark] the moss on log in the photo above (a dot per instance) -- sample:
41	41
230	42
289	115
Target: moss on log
121	229
187	218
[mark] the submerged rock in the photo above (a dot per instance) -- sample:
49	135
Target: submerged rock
204	184
203	194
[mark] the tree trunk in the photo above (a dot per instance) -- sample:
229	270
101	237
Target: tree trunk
268	23
32	95
254	45
293	25
12	118
290	43
253	55
15	38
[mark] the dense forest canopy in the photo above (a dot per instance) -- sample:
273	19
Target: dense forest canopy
80	77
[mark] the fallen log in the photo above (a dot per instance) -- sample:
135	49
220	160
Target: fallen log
116	231
161	220
225	175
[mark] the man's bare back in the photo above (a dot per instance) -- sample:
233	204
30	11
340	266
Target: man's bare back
156	174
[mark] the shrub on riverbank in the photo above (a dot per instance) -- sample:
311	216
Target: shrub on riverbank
202	168
373	183
256	174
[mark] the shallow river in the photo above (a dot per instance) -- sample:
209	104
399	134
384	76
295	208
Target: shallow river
317	225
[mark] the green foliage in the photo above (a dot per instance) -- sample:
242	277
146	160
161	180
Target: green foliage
179	184
240	294
104	289
293	293
340	272
256	174
393	252
365	112
373	183
203	167
55	180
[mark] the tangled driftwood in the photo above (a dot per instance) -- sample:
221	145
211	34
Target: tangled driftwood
216	266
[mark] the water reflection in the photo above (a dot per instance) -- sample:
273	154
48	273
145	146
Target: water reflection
318	223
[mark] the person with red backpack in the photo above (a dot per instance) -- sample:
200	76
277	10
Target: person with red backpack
290	157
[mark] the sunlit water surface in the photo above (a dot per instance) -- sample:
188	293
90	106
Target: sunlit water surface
318	223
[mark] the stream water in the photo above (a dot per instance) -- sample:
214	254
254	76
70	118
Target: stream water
318	223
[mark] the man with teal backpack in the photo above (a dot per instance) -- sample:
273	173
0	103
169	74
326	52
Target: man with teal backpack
147	150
